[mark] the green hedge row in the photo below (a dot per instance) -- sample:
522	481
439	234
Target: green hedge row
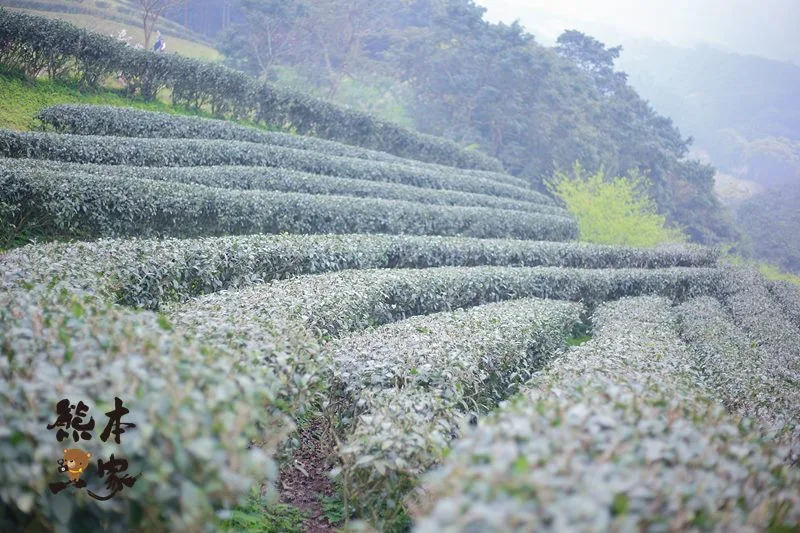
279	179
202	152
331	305
39	45
747	298
207	421
79	119
353	300
84	205
788	296
746	377
405	387
82	119
146	273
615	435
451	354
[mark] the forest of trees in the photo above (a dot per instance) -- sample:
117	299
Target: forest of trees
491	86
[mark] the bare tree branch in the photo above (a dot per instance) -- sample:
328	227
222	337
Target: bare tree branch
152	10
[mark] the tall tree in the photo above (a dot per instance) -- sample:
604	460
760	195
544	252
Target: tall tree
266	36
326	39
339	30
594	58
152	10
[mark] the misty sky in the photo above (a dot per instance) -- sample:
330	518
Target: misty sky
767	28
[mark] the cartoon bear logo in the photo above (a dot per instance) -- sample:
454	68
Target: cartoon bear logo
74	463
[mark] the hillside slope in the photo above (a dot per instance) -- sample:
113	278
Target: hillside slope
23	100
743	113
110	17
411	338
238	345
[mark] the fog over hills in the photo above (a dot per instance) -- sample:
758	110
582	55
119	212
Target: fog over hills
766	28
727	73
731	85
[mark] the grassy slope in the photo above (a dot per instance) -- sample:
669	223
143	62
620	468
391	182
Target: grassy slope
774	273
113	27
21	100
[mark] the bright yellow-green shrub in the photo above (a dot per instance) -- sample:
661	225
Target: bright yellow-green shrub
616	211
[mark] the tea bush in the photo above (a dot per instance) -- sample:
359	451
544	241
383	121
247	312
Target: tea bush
279	179
197	413
80	204
129	122
147	272
746	296
202	152
407	385
220	415
614	435
748	378
788	296
335	303
332	305
313	116
474	354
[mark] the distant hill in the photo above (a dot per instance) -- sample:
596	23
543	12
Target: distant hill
743	113
741	110
110	17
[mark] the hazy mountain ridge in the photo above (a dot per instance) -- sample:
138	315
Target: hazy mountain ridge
741	109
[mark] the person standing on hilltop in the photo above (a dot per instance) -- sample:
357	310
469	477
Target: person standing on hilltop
160	45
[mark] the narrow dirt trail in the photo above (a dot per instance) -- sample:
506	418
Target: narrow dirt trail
303	482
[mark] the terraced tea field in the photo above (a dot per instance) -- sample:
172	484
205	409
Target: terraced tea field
474	367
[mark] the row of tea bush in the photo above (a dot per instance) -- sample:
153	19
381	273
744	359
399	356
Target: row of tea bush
203	152
83	205
84	119
58	49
